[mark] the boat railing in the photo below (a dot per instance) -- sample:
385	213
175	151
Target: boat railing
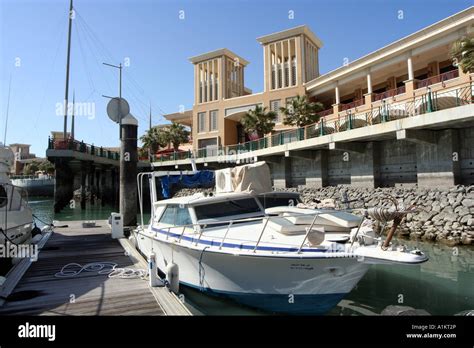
203	225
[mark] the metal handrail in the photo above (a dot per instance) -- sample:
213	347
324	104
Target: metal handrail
230	223
308	232
261	234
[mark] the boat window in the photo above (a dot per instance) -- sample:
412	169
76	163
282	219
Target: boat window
183	217
227	208
168	215
271	201
3	196
176	216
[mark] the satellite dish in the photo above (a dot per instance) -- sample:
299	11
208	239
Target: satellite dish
117	108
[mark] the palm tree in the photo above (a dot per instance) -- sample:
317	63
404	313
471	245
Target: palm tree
462	53
258	121
300	112
153	139
177	134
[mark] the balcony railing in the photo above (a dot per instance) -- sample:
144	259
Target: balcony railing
79	146
438	78
389	93
326	112
354	104
421	104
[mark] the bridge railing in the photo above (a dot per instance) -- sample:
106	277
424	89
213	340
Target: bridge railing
80	146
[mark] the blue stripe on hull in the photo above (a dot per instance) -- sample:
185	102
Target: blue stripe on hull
276	303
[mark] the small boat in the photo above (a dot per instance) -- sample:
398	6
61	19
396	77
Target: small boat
41	184
16	217
261	248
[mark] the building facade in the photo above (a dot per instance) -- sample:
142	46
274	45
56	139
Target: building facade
409	77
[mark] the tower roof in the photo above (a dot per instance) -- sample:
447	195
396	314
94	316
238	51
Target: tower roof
281	35
218	53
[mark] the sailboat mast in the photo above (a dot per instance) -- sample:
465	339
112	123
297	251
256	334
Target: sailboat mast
71	15
8	109
72	117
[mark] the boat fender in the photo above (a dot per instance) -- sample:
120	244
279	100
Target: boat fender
172	277
316	237
133	241
36	239
35	231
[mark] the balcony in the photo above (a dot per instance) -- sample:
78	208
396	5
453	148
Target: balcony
437	79
390	93
354	104
326	112
422	102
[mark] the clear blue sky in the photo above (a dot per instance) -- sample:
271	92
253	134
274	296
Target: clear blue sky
158	43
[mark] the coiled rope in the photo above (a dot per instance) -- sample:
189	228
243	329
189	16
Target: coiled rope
110	268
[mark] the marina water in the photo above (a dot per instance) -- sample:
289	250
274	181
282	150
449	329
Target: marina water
441	286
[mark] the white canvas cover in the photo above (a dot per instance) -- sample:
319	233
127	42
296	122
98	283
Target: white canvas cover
253	178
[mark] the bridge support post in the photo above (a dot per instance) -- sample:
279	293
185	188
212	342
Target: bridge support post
128	170
63	190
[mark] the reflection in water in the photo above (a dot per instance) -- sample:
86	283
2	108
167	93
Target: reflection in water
441	286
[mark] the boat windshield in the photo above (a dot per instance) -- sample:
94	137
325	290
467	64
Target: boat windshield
227	208
277	200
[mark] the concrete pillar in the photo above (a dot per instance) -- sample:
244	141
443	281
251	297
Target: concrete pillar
317	174
281	172
438	165
83	188
91	180
63	190
365	166
128	170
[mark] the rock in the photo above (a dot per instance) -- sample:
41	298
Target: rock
468	202
403	310
465	219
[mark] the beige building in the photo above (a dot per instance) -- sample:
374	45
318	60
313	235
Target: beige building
396	73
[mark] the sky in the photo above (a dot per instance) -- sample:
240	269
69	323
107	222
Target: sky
153	39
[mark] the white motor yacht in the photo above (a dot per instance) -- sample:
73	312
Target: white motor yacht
261	248
16	218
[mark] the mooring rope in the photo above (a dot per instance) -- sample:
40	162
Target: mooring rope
73	269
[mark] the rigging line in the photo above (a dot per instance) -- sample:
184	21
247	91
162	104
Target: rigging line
109	56
8	109
48	79
84	62
89	43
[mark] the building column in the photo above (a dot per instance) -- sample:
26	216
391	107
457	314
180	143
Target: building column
438	165
410	83
337	104
369	94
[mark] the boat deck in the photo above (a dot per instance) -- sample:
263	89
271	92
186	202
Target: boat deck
39	292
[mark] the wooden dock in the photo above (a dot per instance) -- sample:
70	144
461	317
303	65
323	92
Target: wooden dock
40	292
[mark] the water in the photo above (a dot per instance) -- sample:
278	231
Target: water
442	286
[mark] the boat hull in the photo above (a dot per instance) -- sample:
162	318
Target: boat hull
292	285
